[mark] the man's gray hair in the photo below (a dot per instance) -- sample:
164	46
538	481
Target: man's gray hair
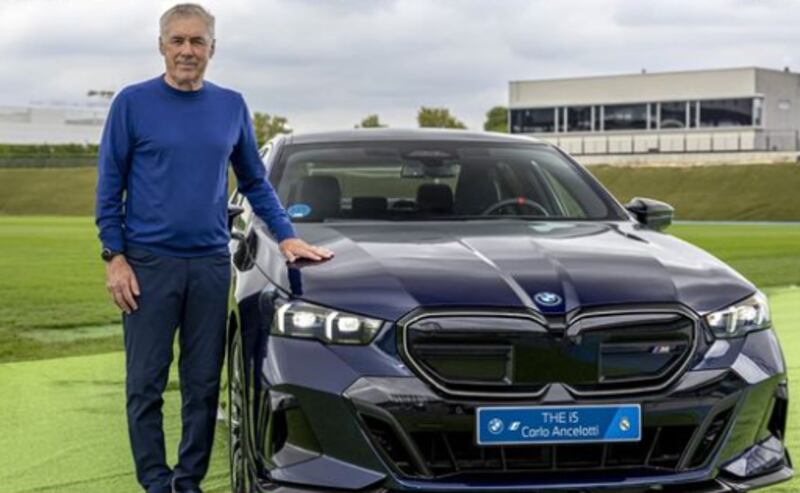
187	10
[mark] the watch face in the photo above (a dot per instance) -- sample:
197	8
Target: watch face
107	254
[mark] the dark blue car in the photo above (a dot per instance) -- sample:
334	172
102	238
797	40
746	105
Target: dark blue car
493	320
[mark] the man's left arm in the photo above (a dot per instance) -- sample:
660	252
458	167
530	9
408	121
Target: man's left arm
253	184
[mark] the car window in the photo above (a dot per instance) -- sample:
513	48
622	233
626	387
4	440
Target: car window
241	222
433	181
565	200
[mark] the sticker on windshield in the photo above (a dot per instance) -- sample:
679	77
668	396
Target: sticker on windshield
299	210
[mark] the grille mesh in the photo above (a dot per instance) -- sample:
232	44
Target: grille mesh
447	453
444	453
498	355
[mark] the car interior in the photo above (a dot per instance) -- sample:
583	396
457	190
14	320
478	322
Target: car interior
327	187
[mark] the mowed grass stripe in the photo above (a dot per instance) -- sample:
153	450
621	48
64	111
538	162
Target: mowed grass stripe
50	191
39	191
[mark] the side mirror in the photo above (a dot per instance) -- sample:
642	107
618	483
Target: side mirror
652	214
234	211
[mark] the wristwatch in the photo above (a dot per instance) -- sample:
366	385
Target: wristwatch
107	254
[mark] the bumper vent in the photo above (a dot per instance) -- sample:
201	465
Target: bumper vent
780	411
712	436
501	355
390	444
449	453
440	454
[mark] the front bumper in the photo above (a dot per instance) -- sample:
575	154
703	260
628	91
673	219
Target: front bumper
715	486
355	418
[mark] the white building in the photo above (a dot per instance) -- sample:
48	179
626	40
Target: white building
52	123
725	110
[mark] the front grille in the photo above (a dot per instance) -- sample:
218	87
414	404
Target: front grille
502	354
444	453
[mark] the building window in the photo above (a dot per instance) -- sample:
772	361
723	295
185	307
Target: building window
673	115
539	120
579	119
758	112
693	114
598	118
726	112
625	117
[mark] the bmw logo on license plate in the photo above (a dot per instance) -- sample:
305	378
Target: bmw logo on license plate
547	298
496	426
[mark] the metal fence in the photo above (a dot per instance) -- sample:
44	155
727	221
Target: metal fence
779	140
689	142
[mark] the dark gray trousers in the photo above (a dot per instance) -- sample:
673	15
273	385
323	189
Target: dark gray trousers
190	293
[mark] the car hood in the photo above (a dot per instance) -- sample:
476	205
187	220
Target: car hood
386	270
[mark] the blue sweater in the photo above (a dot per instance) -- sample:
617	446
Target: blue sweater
165	152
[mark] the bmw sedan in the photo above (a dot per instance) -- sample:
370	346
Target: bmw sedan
493	320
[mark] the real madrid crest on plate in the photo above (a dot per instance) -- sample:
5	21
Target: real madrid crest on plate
547	298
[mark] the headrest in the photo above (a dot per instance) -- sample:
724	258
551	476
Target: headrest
321	193
435	198
475	190
369	206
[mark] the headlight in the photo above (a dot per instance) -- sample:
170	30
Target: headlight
741	318
300	319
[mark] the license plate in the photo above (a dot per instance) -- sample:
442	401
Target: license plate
559	424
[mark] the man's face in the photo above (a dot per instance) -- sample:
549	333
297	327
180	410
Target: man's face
187	47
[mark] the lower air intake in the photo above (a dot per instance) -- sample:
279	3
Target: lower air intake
437	454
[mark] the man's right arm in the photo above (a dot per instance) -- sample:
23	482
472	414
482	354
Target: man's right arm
112	172
116	146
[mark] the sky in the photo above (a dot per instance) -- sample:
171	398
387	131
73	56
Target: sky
326	64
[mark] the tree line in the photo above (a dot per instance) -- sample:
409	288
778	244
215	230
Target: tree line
268	126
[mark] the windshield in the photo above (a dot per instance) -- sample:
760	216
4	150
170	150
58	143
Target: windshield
435	181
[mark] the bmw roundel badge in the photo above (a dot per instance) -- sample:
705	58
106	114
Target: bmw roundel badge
547	298
496	426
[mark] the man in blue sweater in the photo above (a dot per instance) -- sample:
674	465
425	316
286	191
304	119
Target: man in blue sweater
162	217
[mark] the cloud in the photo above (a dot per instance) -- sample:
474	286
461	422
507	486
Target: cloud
326	64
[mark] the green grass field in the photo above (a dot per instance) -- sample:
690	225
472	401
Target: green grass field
51	278
63	428
734	193
768	255
62	425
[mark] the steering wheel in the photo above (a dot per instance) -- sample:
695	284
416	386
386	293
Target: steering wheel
520	202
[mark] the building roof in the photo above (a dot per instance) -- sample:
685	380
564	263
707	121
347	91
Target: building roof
647	73
648	87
